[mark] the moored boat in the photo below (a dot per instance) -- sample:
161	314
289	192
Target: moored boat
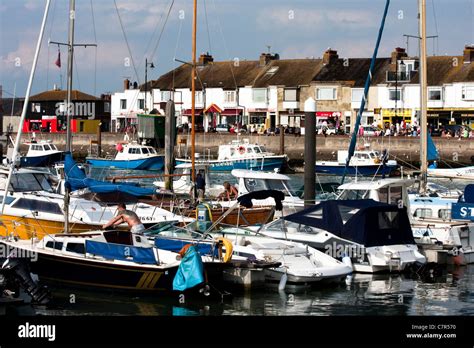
131	155
241	155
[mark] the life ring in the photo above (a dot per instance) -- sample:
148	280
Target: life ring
223	242
241	150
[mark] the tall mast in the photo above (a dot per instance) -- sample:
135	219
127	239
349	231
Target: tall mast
25	104
193	96
70	63
423	98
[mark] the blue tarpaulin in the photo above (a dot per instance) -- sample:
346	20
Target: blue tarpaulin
190	272
111	251
77	180
176	245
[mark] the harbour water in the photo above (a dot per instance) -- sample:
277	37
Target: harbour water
449	292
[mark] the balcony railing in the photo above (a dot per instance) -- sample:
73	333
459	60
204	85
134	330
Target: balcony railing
400	76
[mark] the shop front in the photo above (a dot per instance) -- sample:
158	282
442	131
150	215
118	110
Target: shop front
394	116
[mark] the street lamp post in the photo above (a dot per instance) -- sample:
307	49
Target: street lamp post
152	66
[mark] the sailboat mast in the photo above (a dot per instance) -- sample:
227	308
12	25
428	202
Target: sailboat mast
25	103
423	98
70	63
69	108
193	96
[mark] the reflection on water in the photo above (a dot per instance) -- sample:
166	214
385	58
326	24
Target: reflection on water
452	293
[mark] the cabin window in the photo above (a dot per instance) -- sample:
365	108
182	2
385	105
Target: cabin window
46	147
276	185
423	213
38	205
254	185
151	150
395	195
144	150
383	194
76	248
8	200
54	245
388	220
28	182
250	150
53	147
134	151
444	213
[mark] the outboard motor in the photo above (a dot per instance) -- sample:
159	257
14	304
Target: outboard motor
17	271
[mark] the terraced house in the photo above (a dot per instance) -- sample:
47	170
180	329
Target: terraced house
270	91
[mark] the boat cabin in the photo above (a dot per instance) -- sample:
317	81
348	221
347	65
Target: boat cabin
239	149
134	150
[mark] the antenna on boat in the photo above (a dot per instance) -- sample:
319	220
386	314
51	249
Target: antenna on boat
25	103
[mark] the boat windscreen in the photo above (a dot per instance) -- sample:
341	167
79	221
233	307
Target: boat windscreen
26	182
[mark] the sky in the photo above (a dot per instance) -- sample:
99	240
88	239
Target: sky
228	29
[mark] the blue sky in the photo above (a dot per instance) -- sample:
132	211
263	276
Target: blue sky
232	29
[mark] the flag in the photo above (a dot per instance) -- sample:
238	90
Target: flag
58	61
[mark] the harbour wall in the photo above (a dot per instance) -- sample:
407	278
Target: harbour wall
405	149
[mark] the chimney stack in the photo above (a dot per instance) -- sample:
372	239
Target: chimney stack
266	58
205	59
468	54
126	84
398	54
330	56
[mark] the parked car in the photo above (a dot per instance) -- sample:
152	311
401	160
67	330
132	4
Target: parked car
370	131
330	129
222	128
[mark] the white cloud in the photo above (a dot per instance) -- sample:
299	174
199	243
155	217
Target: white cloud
322	19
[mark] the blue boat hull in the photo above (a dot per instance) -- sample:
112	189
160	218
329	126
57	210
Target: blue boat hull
149	163
41	161
257	164
351	170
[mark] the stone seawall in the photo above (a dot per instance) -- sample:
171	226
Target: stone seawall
404	148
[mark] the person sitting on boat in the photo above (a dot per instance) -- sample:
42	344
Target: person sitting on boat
230	192
128	216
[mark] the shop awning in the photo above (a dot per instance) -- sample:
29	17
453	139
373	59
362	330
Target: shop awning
197	111
231	112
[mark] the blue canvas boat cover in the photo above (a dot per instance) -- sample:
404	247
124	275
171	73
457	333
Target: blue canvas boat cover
469	193
77	180
111	251
176	245
363	221
190	272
